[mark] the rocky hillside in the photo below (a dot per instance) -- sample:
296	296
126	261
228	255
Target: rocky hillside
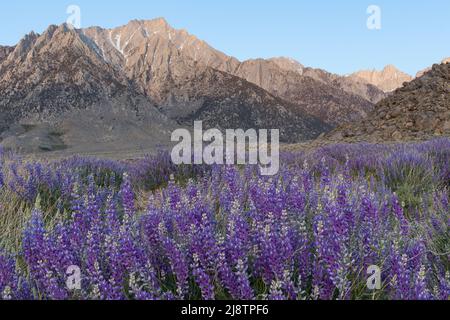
4	52
388	79
419	110
422	72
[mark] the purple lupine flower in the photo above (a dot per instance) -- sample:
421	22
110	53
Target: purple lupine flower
420	286
203	279
8	278
179	266
40	253
399	214
2	176
127	195
224	232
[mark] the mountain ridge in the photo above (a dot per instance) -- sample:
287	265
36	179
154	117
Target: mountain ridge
61	90
138	81
126	43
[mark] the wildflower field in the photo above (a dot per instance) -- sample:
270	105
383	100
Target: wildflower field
151	230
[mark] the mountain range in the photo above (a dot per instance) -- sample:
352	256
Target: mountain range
95	89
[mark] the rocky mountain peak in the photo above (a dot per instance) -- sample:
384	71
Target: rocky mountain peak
390	69
143	42
23	47
388	79
288	64
58	91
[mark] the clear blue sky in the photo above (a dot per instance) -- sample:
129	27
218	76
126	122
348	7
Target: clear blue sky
328	34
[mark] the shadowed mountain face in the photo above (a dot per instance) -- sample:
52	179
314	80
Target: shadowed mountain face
224	101
418	110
